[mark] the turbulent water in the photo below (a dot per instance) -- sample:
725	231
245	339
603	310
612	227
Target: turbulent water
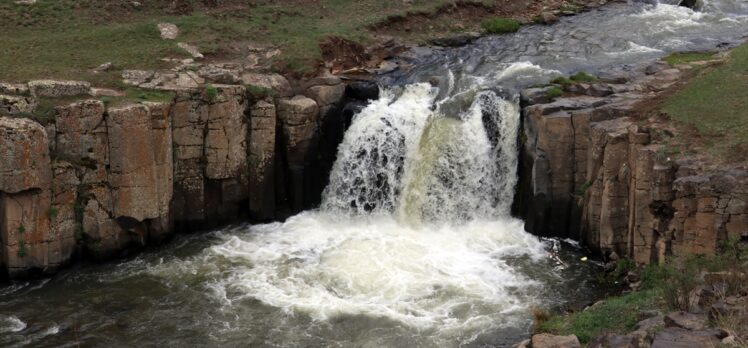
412	246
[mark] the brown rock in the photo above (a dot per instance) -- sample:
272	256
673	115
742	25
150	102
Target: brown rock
24	156
551	341
54	88
685	320
132	174
674	337
262	160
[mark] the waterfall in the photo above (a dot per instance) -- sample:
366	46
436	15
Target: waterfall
405	156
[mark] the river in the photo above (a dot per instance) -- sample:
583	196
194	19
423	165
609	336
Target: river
413	244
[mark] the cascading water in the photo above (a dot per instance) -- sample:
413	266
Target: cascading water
412	246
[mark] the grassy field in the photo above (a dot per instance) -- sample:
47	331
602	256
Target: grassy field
664	288
715	106
67	38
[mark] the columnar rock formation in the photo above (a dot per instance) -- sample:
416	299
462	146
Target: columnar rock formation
591	171
97	180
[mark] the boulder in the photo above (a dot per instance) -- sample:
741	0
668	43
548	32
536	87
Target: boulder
685	320
552	341
193	51
219	75
10	104
614	341
54	88
674	337
13	88
274	82
168	31
137	77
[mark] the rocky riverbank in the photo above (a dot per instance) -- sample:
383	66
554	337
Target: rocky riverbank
98	180
598	166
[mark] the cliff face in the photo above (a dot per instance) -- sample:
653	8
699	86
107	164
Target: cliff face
98	180
593	170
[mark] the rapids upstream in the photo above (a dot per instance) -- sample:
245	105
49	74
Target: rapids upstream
413	244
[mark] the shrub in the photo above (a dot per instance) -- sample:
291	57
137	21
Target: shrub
500	25
582	77
21	248
52	211
211	92
563	81
554	92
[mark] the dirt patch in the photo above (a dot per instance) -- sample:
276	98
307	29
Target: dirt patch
462	16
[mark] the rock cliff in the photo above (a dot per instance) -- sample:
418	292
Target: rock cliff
99	180
593	169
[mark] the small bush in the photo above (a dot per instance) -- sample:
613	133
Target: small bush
500	25
22	248
563	81
688	57
258	92
21	229
211	92
554	92
52	212
582	77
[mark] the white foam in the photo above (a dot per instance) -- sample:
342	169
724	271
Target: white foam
11	324
449	278
523	70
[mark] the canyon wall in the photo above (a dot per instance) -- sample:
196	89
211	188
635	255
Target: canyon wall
97	181
594	168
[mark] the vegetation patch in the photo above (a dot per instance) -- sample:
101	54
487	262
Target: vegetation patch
582	77
500	25
554	92
688	57
715	105
614	315
663	287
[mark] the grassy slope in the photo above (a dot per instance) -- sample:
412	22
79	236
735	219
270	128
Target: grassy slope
715	103
62	39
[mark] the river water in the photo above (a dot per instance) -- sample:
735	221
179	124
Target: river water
412	246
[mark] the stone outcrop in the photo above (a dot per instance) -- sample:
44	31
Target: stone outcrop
591	171
100	180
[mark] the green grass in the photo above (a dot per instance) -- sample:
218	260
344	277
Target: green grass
554	92
715	103
67	38
582	77
500	25
561	80
664	288
615	315
688	57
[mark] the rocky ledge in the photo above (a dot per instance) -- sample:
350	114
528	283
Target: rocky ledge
99	180
595	168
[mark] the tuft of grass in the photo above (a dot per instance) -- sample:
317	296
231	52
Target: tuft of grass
715	104
52	212
22	248
258	92
21	229
688	57
211	92
561	80
500	25
582	77
617	314
554	92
